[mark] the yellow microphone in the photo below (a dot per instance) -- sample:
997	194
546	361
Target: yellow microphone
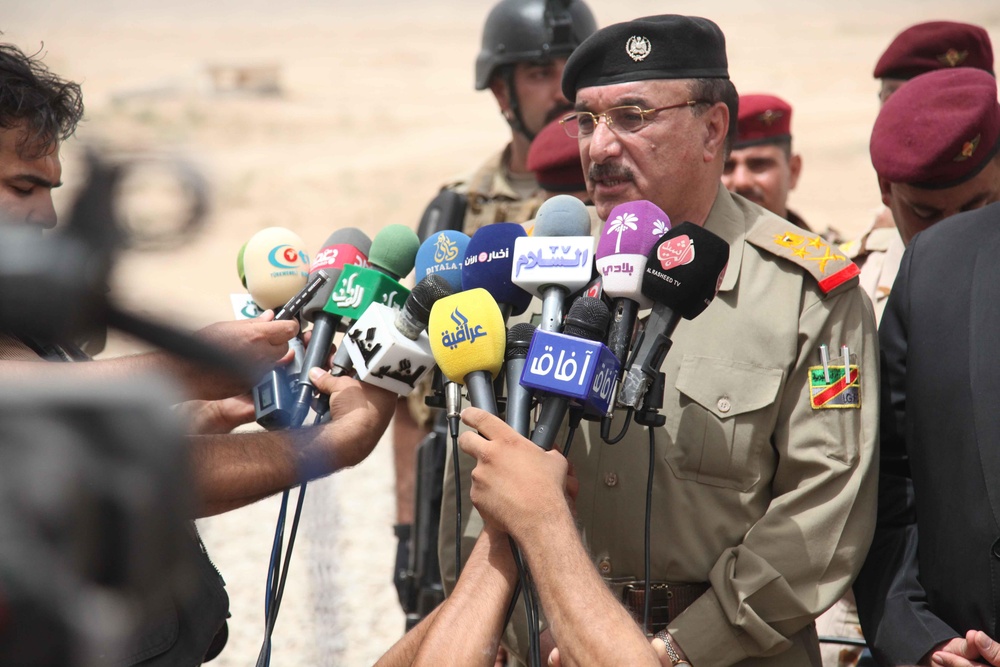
468	340
275	265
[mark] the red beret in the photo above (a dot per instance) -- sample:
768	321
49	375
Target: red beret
554	156
926	47
763	119
938	130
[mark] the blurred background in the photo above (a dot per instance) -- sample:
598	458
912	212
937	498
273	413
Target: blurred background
319	114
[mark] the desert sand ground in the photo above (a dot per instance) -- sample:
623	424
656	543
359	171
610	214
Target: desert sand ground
376	109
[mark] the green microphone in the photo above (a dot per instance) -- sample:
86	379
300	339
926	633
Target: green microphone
394	250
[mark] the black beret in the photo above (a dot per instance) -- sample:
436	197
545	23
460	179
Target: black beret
655	47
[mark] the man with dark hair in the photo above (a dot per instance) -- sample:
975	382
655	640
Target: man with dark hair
39	110
762	166
763	487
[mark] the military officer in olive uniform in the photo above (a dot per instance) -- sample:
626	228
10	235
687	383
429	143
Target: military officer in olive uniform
764	482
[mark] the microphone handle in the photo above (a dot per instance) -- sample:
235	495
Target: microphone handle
518	397
646	360
622	325
550	418
553	302
480	386
324	327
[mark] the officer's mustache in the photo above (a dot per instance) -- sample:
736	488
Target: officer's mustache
609	172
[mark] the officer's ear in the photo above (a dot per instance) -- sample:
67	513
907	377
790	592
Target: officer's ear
886	188
716	124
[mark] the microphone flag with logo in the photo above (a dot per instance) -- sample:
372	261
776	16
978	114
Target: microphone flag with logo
468	338
442	254
275	266
488	264
683	274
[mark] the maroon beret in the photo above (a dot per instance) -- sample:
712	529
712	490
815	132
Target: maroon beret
938	130
926	47
763	119
554	156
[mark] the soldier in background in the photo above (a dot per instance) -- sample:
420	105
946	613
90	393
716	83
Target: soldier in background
762	166
554	159
927	593
921	48
525	44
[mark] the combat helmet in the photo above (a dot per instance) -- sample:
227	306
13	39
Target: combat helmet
531	30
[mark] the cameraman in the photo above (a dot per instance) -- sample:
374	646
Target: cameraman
38	110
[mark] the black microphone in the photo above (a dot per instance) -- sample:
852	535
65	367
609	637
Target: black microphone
587	320
343	247
682	276
518	396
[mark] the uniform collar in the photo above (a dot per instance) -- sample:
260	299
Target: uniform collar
726	221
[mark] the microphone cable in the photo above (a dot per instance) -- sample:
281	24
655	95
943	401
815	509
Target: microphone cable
277	572
646	550
453	422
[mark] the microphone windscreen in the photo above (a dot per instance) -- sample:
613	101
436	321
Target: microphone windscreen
393	249
519	340
562	215
588	318
685	268
467	334
633	228
442	254
424	295
489	259
348	246
240	271
275	265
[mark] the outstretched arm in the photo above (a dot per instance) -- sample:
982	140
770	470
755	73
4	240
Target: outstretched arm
233	470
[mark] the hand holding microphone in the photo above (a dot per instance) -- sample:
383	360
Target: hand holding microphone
343	248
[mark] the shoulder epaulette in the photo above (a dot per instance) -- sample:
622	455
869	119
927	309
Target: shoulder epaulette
825	262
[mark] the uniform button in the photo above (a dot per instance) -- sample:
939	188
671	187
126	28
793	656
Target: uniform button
604	566
611	479
996	549
724	405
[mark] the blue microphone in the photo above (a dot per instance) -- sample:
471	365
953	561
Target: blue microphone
489	259
571	366
442	254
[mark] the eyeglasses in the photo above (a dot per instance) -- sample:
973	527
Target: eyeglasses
623	119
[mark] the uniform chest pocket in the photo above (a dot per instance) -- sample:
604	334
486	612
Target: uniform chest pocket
726	415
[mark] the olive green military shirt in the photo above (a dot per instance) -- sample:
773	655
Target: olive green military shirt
765	473
492	196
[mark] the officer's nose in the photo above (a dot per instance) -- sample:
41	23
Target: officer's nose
604	143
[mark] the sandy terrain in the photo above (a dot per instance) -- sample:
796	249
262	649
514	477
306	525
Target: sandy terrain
377	109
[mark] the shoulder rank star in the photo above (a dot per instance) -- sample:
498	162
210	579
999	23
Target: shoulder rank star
833	385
